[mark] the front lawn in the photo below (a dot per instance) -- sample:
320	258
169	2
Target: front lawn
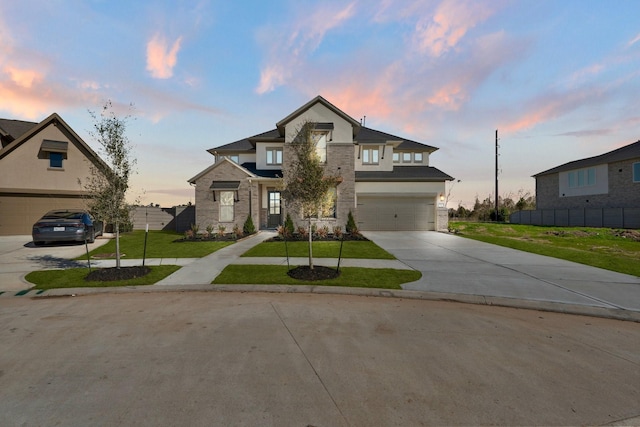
385	278
160	244
611	249
363	249
74	278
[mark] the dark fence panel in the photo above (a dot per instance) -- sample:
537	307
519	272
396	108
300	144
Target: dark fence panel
587	217
177	218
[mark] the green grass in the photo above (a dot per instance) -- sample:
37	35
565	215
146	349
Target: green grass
351	249
74	278
385	278
599	247
160	244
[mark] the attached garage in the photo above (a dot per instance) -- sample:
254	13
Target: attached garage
384	213
18	213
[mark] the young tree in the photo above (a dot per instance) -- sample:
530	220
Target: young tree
108	184
307	188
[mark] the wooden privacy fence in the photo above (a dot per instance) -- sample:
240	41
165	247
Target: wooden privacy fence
583	217
177	218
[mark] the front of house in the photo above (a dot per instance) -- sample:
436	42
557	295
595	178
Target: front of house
386	181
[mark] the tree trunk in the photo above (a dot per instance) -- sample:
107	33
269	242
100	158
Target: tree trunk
310	246
117	225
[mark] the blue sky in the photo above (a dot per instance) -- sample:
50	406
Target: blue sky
559	79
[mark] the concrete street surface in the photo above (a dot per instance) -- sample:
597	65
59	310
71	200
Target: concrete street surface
257	359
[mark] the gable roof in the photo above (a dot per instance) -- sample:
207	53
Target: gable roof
223	160
361	134
56	120
317	100
627	152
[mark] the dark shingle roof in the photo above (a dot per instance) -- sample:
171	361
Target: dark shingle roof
11	130
367	135
246	144
404	173
627	152
264	173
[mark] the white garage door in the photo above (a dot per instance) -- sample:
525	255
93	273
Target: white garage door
395	213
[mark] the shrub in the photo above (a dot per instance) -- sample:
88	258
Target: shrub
221	230
237	231
210	230
195	228
351	224
337	232
322	232
302	231
248	226
288	226
188	234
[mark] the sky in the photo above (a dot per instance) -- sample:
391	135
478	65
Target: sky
559	79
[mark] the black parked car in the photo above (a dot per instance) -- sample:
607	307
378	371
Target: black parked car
66	225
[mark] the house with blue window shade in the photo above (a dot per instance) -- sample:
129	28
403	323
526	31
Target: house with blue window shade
387	181
40	165
610	180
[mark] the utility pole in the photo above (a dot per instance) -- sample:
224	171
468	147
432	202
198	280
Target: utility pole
496	175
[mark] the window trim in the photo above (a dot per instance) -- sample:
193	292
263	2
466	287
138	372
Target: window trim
371	156
230	207
635	172
274	156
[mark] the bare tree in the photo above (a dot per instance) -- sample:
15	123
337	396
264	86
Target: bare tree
307	188
108	184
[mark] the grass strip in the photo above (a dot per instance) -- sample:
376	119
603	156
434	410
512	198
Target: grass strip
74	278
160	244
379	278
324	249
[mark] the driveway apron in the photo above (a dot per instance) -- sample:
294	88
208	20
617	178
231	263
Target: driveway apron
453	264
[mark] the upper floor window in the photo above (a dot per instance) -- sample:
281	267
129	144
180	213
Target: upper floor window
55	160
370	156
321	146
406	157
417	157
274	156
582	177
235	158
396	157
636	172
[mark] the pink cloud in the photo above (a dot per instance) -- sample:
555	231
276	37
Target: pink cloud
161	59
452	19
305	34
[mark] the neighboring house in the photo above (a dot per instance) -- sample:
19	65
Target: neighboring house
610	180
40	165
387	182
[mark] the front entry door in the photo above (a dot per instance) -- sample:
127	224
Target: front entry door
274	217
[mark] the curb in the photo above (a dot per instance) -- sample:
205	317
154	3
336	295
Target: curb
547	306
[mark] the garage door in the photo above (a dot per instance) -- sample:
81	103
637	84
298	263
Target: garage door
18	213
395	213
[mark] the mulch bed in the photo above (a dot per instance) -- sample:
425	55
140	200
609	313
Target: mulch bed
318	273
330	238
113	273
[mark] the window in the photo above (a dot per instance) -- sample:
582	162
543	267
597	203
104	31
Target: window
274	156
321	146
636	172
396	157
235	158
582	177
332	201
370	156
55	160
417	157
226	206
406	157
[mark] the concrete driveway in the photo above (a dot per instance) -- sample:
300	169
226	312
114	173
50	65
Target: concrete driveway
456	265
19	256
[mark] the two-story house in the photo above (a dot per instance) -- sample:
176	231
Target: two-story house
40	165
387	182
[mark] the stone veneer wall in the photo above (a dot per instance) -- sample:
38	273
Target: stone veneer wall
623	192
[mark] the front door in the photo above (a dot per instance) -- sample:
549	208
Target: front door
274	216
